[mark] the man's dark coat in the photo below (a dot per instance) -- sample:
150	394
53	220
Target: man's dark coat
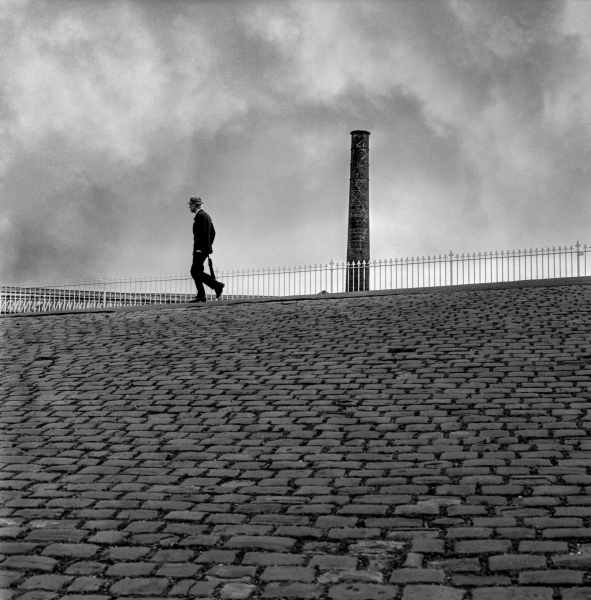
203	233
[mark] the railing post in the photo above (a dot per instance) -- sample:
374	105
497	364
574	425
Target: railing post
578	248
451	267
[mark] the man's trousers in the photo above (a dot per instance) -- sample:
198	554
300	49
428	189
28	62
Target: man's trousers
199	275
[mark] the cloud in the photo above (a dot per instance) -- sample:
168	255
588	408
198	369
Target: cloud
93	94
102	77
111	115
503	83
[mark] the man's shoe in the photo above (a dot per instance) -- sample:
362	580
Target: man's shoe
219	289
199	299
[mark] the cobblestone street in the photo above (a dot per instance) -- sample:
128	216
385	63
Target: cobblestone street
411	446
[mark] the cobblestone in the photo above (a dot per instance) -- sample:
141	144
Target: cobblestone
429	445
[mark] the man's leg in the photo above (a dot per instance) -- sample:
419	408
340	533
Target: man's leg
197	273
209	281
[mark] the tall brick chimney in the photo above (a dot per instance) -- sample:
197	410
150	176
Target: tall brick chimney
358	232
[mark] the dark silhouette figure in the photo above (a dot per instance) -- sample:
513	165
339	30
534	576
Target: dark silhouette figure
203	236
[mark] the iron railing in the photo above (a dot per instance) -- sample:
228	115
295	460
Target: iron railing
430	271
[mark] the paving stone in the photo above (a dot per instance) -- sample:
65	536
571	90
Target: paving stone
461	565
29	563
272	558
542	547
173	556
580	593
85	568
362	591
288	573
107	537
201	589
428	546
237	591
75	596
17	547
130	569
9	578
377	549
291	590
462	581
354	533
572	561
417	576
552	577
139	587
193	540
413	560
216	556
38	595
86	584
128	553
71	550
273	544
513	593
328	562
45	582
181	588
482	546
177	570
432	592
373	576
515	562
231	572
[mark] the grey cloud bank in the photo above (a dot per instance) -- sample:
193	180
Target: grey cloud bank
113	114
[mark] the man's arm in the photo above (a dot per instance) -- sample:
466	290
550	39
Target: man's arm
200	233
211	233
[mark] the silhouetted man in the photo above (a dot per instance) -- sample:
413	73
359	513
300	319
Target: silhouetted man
203	236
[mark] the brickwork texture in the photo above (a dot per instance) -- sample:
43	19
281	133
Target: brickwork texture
430	446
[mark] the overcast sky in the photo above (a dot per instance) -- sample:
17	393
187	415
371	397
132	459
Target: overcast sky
112	114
